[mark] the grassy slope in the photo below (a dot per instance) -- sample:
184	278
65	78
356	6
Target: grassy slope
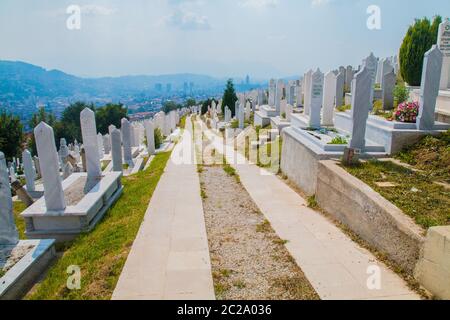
416	194
18	207
102	253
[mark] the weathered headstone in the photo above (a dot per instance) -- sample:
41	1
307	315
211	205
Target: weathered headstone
340	84
150	133
116	150
8	230
272	92
307	89
279	95
349	73
389	80
101	152
371	64
316	94
107	143
30	172
362	83
126	141
443	42
241	117
63	151
37	166
48	158
90	143
329	98
429	88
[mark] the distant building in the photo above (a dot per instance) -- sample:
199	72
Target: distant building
168	87
185	88
191	88
158	87
247	80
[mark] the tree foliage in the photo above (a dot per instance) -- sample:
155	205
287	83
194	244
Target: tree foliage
418	40
207	103
111	114
229	97
11	135
170	106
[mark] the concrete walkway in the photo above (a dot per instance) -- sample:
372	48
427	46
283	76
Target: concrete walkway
337	267
170	256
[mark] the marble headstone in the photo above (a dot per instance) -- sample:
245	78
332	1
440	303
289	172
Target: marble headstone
316	94
329	98
90	143
8	230
30	172
126	141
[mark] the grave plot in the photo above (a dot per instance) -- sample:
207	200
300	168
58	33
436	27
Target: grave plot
249	260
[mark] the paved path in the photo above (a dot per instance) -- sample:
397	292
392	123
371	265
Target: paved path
170	256
336	266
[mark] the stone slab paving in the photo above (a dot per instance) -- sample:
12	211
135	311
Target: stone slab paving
170	256
336	266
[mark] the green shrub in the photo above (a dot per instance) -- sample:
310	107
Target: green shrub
401	94
338	140
377	107
418	40
344	108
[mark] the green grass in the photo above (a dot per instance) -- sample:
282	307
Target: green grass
344	108
230	171
183	122
432	155
312	202
18	207
416	194
102	253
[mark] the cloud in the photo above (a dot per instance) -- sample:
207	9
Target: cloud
187	20
258	4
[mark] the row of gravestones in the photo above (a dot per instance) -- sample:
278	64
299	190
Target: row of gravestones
362	93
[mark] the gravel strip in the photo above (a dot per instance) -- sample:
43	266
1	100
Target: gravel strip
249	261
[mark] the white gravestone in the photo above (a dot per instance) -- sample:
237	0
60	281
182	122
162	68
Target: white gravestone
241	116
126	141
307	89
30	172
279	95
429	88
101	152
107	143
340	84
49	162
371	64
63	151
329	98
316	94
150	133
389	80
90	143
360	108
116	150
444	45
298	96
272	92
8	230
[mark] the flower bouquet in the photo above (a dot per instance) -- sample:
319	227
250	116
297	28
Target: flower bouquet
407	112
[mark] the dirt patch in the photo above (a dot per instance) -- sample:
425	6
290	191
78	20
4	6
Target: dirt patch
10	255
249	261
77	190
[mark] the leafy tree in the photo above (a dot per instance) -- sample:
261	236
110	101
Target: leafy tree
418	40
11	135
170	106
206	104
40	116
69	127
229	98
190	103
108	115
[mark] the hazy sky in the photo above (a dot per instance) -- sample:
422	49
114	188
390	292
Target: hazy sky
263	38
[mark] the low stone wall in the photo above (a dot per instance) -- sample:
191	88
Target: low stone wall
433	269
299	163
368	214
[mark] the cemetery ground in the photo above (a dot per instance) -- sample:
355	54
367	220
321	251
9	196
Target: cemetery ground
102	253
249	261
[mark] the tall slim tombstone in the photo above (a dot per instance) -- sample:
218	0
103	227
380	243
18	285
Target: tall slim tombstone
279	95
371	63
272	92
126	141
150	133
49	162
349	73
340	84
8	230
101	152
37	166
90	143
107	143
241	116
386	67
429	88
307	89
30	172
361	85
116	150
389	80
443	42
316	94
298	95
329	98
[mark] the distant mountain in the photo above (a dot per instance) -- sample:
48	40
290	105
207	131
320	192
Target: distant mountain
19	80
